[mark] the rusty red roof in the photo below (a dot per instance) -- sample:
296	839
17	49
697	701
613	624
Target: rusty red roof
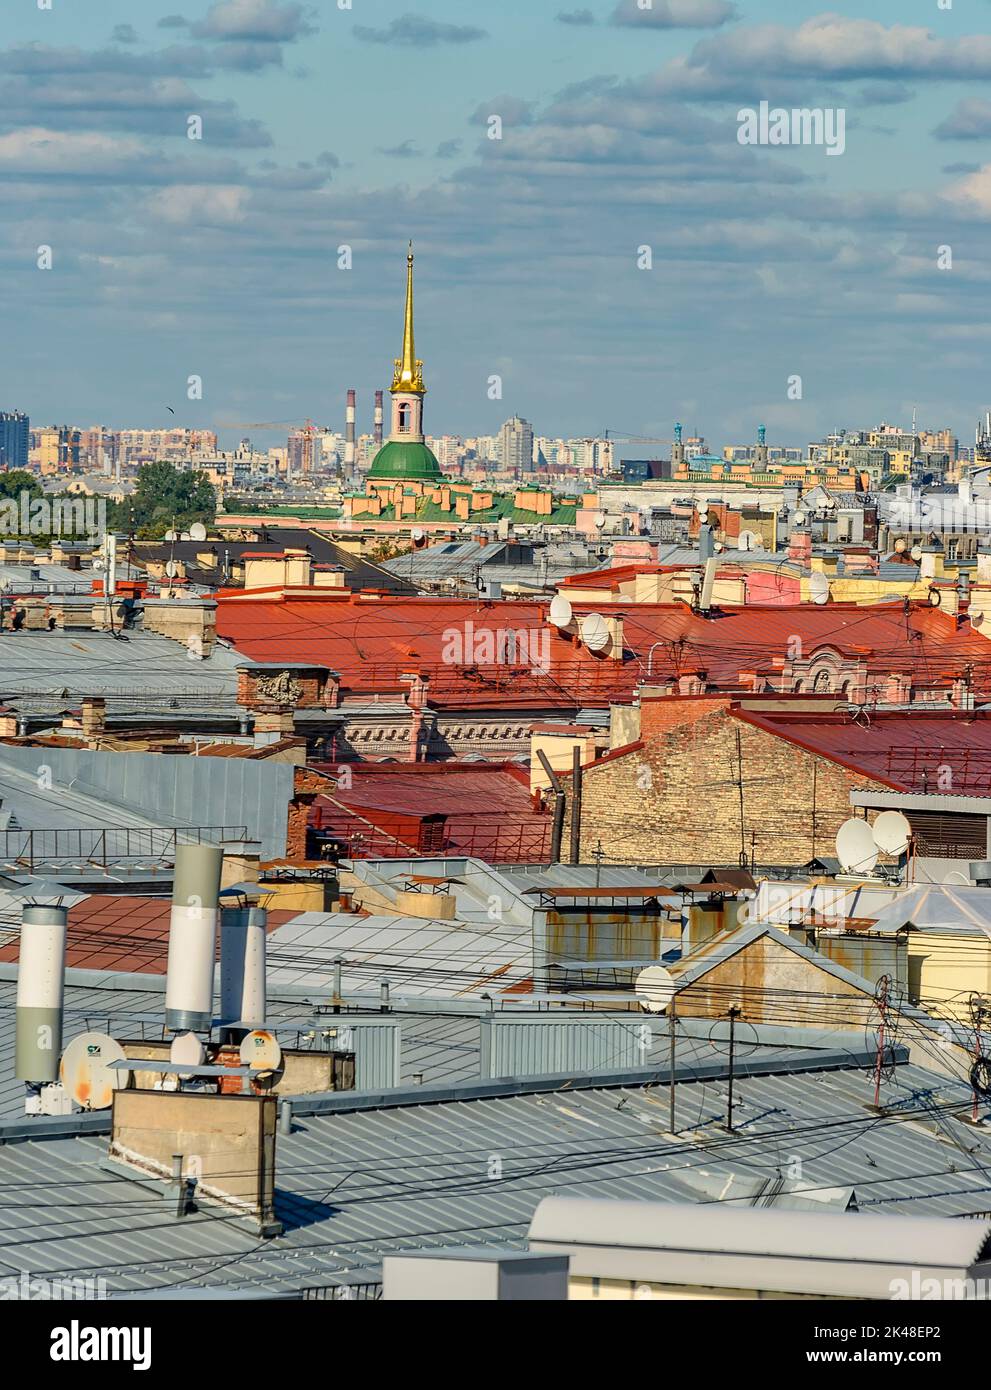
374	642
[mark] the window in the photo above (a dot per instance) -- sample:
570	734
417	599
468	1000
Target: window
404	418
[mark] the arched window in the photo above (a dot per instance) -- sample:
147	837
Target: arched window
404	418
823	681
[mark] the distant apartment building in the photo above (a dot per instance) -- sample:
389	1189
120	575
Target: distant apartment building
516	445
177	446
54	448
15	439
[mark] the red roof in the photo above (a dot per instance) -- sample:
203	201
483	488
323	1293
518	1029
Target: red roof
934	751
372	643
115	931
485	810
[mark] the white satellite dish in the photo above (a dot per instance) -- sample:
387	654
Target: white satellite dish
654	988
185	536
172	535
749	540
187	1051
85	1071
600	519
595	632
892	832
855	847
171	569
197	532
261	1051
916	552
717	546
417	533
819	588
799	518
560	611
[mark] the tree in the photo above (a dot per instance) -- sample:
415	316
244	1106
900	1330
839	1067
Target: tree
165	496
18	480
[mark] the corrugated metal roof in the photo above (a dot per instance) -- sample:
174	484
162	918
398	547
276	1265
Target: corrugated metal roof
353	1186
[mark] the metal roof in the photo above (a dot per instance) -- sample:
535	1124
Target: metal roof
387	1177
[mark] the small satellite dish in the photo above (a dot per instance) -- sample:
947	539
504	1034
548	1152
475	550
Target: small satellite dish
916	552
261	1051
899	547
935	598
800	518
819	588
855	847
85	1070
172	535
600	519
171	568
654	988
187	1051
717	546
595	632
892	832
417	533
749	540
185	536
560	611
197	532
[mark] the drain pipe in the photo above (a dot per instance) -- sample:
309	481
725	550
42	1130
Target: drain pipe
576	804
559	805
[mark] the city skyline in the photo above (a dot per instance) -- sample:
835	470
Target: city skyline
325	128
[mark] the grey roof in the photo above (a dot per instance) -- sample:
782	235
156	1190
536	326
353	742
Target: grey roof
91	788
360	1178
146	674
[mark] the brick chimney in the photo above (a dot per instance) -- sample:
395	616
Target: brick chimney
800	547
94	716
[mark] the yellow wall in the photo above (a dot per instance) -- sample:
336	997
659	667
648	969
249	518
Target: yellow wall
945	970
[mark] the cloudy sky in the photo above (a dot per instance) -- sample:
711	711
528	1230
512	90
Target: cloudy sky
366	122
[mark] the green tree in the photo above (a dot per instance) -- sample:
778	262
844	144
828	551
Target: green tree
18	480
165	496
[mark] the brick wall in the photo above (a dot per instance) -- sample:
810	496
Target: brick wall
675	798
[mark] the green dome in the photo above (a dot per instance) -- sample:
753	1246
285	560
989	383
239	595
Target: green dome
399	459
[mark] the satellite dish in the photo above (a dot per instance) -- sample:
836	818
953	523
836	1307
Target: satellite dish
799	518
560	611
417	533
85	1070
261	1051
654	988
749	540
916	552
595	632
892	832
899	547
819	588
717	547
172	535
855	847
185	536
197	532
171	568
187	1051
600	519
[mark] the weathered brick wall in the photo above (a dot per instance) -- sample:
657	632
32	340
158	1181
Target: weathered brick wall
676	798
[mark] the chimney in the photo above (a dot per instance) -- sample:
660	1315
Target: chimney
349	433
40	987
94	716
242	965
193	938
706	543
378	419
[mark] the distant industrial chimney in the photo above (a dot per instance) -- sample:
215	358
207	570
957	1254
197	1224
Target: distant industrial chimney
349	435
40	989
193	938
242	965
378	419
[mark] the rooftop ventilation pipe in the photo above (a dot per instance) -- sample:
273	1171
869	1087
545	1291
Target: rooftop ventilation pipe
40	990
242	965
193	938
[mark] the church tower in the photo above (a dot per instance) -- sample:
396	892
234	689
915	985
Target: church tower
405	454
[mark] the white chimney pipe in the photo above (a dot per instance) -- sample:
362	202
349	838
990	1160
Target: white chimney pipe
242	965
193	938
40	991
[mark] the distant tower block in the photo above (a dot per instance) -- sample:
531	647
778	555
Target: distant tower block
193	938
40	989
349	434
379	395
242	965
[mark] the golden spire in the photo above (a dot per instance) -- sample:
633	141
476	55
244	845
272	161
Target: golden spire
408	375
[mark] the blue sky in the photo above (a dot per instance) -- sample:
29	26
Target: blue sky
365	126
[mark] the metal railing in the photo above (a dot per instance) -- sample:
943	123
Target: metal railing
110	845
